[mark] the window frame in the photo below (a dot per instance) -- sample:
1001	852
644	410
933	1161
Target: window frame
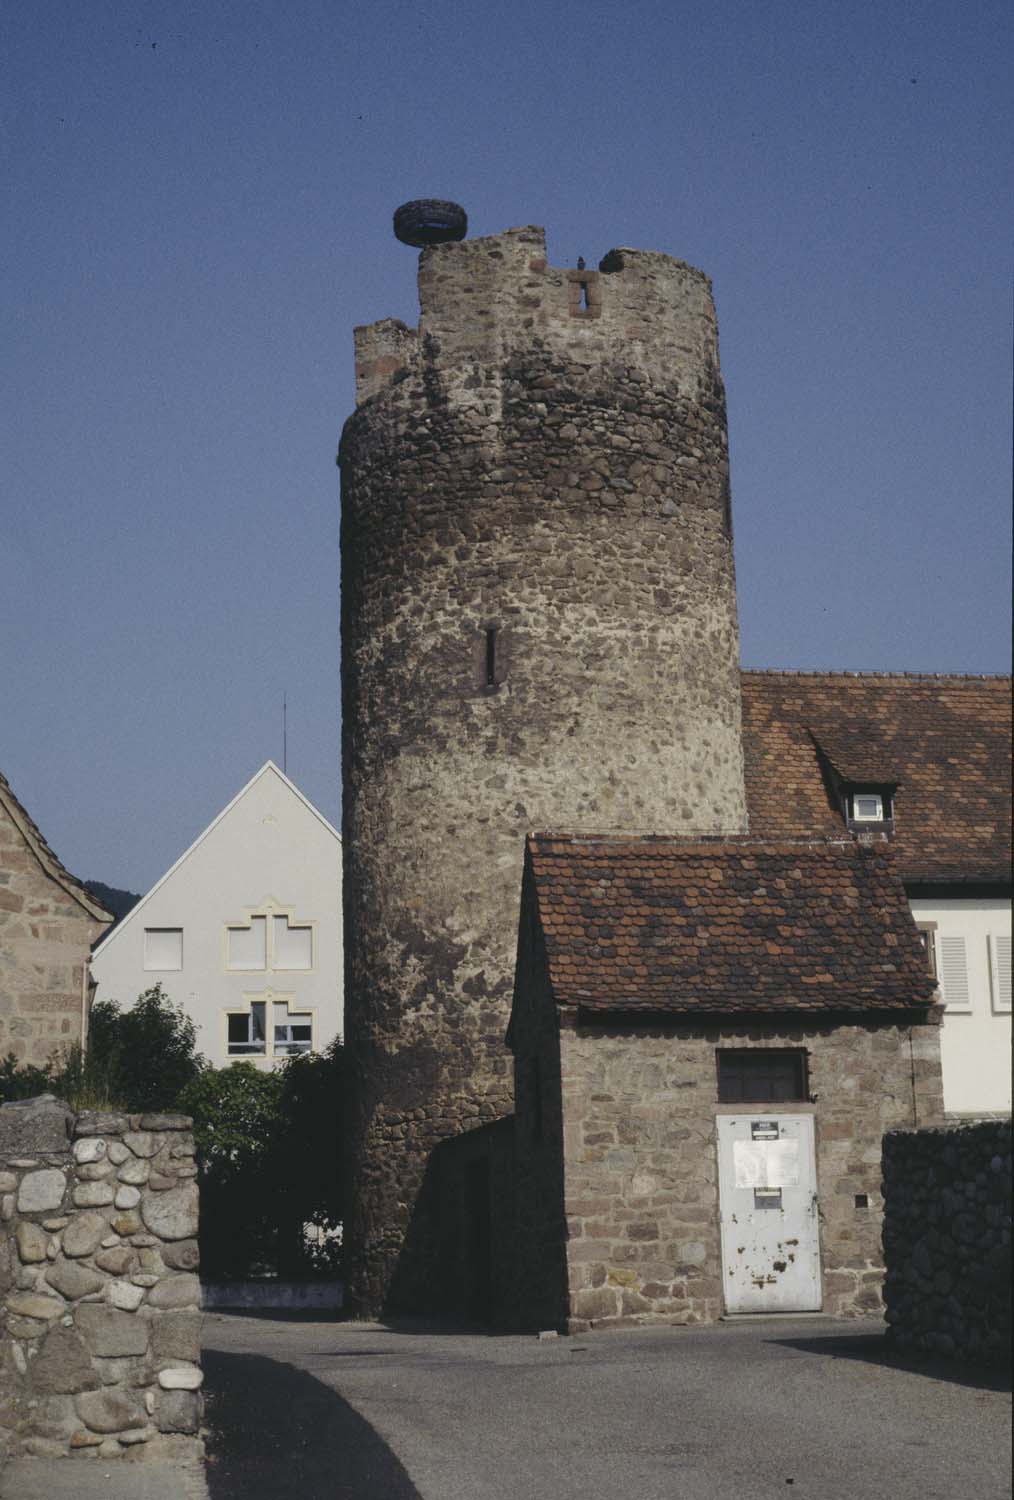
272	1051
797	1056
151	968
268	912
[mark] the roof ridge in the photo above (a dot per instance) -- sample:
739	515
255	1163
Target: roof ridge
47	855
846	673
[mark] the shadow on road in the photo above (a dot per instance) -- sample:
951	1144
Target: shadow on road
275	1433
875	1349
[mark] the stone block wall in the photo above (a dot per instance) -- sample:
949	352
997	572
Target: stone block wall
947	1239
46	933
99	1293
639	1106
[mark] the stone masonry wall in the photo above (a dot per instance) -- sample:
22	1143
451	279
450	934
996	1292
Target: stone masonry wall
641	1168
556	474
947	1239
99	1294
45	940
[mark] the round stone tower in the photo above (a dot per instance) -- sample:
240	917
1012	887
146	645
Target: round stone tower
539	632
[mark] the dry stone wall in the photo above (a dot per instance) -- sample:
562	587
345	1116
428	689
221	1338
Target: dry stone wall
539	630
947	1239
99	1293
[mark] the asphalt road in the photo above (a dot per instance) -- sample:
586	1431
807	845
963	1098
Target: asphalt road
332	1411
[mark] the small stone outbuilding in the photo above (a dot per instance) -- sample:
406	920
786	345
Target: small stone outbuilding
48	923
710	1040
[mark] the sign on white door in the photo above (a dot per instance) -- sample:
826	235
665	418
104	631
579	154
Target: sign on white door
767	1185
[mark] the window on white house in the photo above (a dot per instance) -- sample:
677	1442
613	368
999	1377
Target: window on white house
928	937
248	1031
293	1032
954	984
163	948
292	946
247	947
999	972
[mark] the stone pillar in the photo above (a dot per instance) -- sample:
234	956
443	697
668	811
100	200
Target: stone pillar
99	1293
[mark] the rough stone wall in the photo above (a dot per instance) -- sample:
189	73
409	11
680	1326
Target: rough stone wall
641	1167
45	941
947	1239
557	474
99	1295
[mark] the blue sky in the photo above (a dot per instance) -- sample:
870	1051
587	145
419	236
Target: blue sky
200	197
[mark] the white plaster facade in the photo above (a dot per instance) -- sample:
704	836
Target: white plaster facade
971	940
245	930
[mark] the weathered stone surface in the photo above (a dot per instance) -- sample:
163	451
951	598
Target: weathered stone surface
182	1255
177	1411
7	1265
181	1378
137	1435
73	1280
25	1328
109	1411
84	1234
63	1364
166	1122
90	1149
94	1171
111	1332
134	1171
40	1192
172	1215
126	1222
127	1197
8	1182
124	1294
93	1194
142	1143
32	1241
176	1291
32	1305
175	1336
117	1260
84	1439
93	1122
31	1126
159	1182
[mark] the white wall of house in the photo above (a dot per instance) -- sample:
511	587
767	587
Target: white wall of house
246	925
972	945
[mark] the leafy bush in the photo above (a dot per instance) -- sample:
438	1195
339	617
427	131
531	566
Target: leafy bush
147	1054
268	1154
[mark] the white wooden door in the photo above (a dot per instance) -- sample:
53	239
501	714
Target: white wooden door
767	1185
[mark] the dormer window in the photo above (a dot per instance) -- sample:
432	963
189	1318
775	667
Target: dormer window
867	807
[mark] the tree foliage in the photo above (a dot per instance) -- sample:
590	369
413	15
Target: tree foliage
147	1054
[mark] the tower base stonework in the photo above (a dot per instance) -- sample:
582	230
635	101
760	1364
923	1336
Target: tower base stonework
539	630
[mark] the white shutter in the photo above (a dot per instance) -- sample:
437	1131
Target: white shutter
954	972
293	946
247	946
163	948
999	972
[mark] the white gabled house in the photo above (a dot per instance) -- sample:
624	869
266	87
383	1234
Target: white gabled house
244	931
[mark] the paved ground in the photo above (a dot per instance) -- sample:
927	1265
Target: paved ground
305	1410
330	1411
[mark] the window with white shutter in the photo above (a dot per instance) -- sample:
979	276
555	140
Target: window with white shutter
999	972
954	972
163	948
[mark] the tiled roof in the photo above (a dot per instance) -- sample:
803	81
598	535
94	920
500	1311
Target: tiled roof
723	925
53	867
945	742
